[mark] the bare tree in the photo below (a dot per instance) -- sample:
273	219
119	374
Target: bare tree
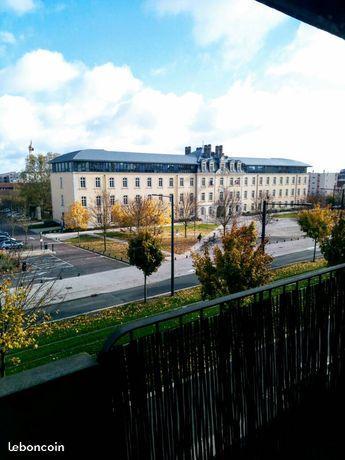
227	208
186	210
101	214
259	209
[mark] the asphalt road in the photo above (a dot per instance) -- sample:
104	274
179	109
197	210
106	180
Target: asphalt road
100	301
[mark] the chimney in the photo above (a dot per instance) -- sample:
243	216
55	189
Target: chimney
187	150
207	150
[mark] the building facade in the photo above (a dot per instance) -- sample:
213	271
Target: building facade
9	177
203	175
322	183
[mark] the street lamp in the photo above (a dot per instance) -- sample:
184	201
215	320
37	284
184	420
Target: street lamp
172	280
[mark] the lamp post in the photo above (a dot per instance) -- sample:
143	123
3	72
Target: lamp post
172	279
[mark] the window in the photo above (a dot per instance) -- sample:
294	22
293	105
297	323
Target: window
137	182
221	181
246	181
62	201
299	181
160	197
191	197
304	191
287	180
125	199
238	195
171	182
298	191
280	192
203	166
244	207
98	200
191	181
210	196
286	192
181	198
211	166
293	180
111	182
82	182
149	182
252	207
221	196
231	181
253	180
260	193
211	181
203	197
305	180
84	201
202	210
292	192
137	198
280	181
260	181
125	182
61	185
112	200
274	192
267	180
203	181
97	182
245	194
181	182
160	182
274	181
253	194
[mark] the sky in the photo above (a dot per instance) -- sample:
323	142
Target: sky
157	75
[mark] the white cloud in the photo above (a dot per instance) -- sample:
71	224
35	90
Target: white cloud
64	106
37	71
19	6
240	26
7	37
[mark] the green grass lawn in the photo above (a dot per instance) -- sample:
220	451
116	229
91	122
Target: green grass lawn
114	249
287	215
87	333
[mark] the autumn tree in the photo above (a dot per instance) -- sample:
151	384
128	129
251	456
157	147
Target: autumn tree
102	214
227	208
333	248
239	265
22	317
145	214
35	178
144	252
186	210
77	217
317	223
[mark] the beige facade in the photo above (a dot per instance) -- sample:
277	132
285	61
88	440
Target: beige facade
206	187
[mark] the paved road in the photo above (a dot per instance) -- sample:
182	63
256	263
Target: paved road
96	302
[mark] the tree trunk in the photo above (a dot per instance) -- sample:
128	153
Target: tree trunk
314	256
185	229
145	289
2	364
104	239
224	229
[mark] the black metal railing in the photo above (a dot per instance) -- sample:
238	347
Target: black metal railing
202	381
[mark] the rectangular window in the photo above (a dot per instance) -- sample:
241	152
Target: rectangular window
246	181
274	181
244	207
253	180
280	181
137	198
280	192
293	180
305	180
160	182
203	197
221	181
171	182
62	201
287	180
191	181
299	181
149	182
245	194
231	181
181	197
181	182
286	192
84	201
253	194
112	200
125	182
111	182
82	182
125	199
238	195
98	200
97	182
260	193
210	196
137	182
203	181
298	191
211	181
221	196
260	181
267	180
61	185
292	192
274	192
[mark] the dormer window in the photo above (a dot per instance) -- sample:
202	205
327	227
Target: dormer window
239	166
203	166
231	166
211	166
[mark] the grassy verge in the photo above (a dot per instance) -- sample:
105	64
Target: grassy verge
114	249
88	332
287	215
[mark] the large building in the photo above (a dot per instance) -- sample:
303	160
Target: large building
203	174
322	183
9	177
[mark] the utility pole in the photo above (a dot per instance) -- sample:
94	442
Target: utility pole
263	227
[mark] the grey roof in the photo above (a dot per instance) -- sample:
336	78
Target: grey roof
253	161
137	157
105	155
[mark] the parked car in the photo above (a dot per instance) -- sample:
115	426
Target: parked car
11	243
5	234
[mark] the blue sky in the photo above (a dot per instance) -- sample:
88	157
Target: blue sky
155	75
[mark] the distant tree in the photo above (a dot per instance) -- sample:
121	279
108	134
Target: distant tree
333	248
102	215
186	210
321	200
317	223
144	252
77	218
227	209
240	265
35	178
22	318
